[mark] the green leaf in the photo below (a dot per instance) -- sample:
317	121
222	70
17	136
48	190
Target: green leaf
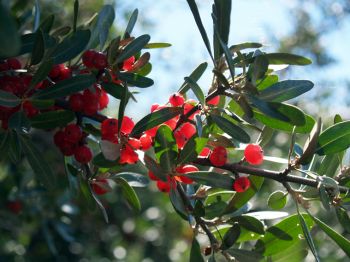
285	90
196	89
75	16
129	193
28	41
131	23
42	72
156	118
136	80
97	201
289	59
250	223
195	254
38	48
133	179
230	128
269	109
100	161
165	147
122	105
240	199
334	139
197	18
46	25
268	81
14	146
242	46
43	104
36	15
100	30
178	204
212	179
282	235
40	166
310	144
156	45
8	99
245	255
341	241
52	119
155	168
277	200
10	42
115	90
231	237
18	121
222	11
133	47
66	87
192	149
71	46
258	68
324	197
195	76
343	218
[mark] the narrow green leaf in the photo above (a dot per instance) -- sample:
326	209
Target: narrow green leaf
42	72
71	46
242	46
38	48
122	105
178	204
245	255
136	80
231	237
52	119
334	139
156	45
192	149
131	23
46	25
197	18
98	202
66	87
133	47
258	68
268	108
36	15
133	179
250	223
310	144
277	200
14	147
75	16
196	89
10	41
18	121
195	76
268	81
165	147
129	193
230	128
341	241
28	41
115	90
8	99
285	90
343	218
195	254
40	166
100	161
289	59
212	179
156	118
43	104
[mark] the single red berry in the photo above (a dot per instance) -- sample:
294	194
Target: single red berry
100	61
183	170
189	104
91	108
241	184
146	142
109	130
152	132
4	66
166	186
188	130
73	133
218	156
100	186
128	155
14	63
154	107
127	125
65	72
152	176
134	143
180	139
29	109
58	138
76	102
14	206
254	154
205	152
104	100
68	148
83	154
171	123
214	101
55	72
88	58
176	99
128	63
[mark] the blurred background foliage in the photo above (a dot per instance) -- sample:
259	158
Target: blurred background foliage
59	225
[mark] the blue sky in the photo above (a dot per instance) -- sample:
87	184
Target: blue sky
252	20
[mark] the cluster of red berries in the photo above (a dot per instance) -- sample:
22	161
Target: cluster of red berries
71	141
128	145
171	180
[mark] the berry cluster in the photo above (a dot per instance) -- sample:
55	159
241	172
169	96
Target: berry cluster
71	141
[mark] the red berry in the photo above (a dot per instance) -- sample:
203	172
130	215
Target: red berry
29	109
68	148
76	102
127	125
218	156
65	72
152	132
88	58
152	176
146	142
166	186
171	123
134	143
104	100
188	106
14	206
100	61
154	107
4	66
58	138
241	184
214	101
180	139
73	133
253	153
188	130
109	130
176	99
128	155
14	63
128	63
83	154
205	152
183	170
55	72
100	186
